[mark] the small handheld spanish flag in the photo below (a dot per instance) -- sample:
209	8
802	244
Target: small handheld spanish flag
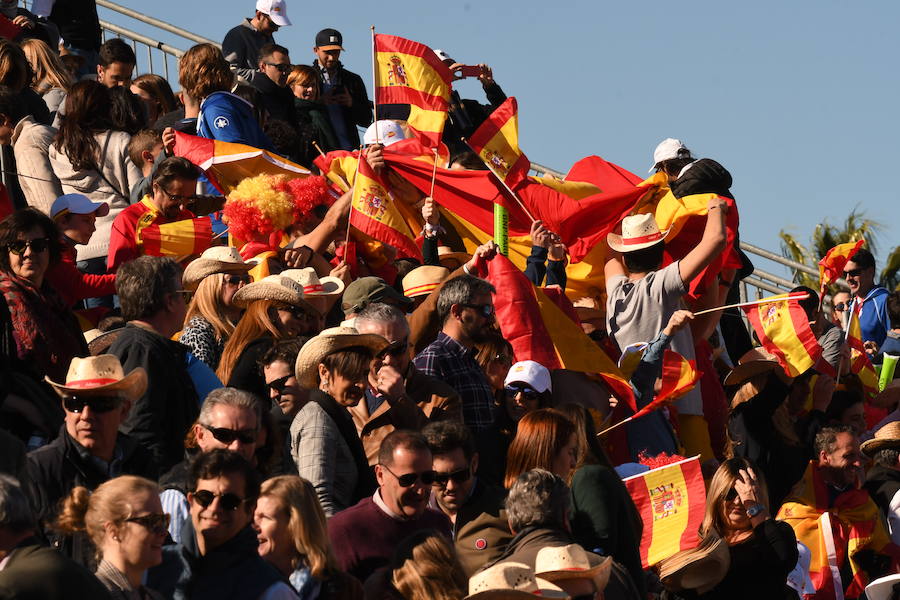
831	267
497	143
783	329
860	364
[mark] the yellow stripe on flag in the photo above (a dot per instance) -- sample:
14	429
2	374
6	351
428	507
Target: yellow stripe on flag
407	70
426	120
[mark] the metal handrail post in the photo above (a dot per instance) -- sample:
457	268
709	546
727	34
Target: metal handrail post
156	23
133	35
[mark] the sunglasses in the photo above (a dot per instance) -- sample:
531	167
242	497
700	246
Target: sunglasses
97	404
281	68
296	312
528	393
731	495
178	197
157	523
18	247
460	476
395	349
408	479
279	384
840	307
227	501
486	310
227	436
185	294
237	279
853	273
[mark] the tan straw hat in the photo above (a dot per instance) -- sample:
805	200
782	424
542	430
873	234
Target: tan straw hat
754	362
275	288
218	259
447	253
699	569
101	375
422	280
638	232
313	285
883	588
557	563
511	580
587	310
887	436
328	342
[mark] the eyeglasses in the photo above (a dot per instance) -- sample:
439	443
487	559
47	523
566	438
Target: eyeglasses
528	393
237	279
395	349
178	197
157	523
97	404
18	247
840	307
731	495
408	479
461	476
284	68
853	273
279	384
486	310
227	501
227	436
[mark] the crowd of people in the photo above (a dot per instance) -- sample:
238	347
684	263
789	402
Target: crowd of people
279	417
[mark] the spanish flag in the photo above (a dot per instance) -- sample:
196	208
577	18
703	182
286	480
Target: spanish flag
679	376
410	73
783	329
671	501
831	267
860	364
339	167
179	238
497	143
375	212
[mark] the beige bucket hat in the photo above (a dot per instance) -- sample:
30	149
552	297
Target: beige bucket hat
218	259
101	375
754	362
638	232
312	284
328	342
275	288
511	580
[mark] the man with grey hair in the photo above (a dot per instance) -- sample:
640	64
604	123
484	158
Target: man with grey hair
230	419
31	570
398	396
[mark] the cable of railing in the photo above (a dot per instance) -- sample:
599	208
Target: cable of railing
759	283
787	284
133	35
778	258
156	23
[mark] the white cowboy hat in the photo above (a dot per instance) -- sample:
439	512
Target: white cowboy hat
638	232
511	580
558	563
275	288
422	280
218	259
313	285
101	375
328	342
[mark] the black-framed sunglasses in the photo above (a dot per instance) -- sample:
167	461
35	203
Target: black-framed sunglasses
279	384
157	523
395	349
227	501
181	199
486	310
731	495
527	393
98	404
840	307
409	479
281	68
227	436
461	476
853	273
37	245
237	279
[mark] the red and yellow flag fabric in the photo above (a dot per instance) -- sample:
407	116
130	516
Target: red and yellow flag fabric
671	501
227	164
410	73
376	213
783	329
339	167
835	531
497	143
539	330
679	376
179	238
831	267
860	364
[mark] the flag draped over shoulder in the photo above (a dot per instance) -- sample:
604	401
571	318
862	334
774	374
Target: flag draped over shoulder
860	364
831	267
671	501
783	329
497	143
410	73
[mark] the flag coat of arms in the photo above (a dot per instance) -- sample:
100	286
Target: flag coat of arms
783	329
497	143
671	501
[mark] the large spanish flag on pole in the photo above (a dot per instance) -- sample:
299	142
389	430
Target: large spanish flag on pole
497	143
410	73
859	359
831	267
783	329
671	501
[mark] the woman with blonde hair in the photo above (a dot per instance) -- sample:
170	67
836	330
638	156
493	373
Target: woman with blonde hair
51	78
425	567
290	527
124	520
216	276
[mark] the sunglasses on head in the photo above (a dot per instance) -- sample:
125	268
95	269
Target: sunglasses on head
394	349
18	247
853	273
237	279
486	310
157	523
460	476
408	479
98	404
227	501
528	393
227	436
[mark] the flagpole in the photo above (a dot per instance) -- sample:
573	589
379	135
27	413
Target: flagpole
802	296
433	174
608	429
508	189
375	88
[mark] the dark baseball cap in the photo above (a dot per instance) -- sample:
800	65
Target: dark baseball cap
366	290
329	39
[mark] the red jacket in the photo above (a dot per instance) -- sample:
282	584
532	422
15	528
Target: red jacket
72	284
123	239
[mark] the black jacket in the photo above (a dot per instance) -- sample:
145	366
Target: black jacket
883	484
360	113
162	416
278	101
705	176
36	572
465	116
241	48
78	23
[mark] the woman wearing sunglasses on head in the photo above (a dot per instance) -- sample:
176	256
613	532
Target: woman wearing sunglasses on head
124	520
215	277
325	445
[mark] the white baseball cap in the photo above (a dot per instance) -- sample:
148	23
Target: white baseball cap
532	373
389	132
276	9
667	149
77	204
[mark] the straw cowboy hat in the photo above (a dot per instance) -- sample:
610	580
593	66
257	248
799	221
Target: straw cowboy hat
313	285
101	375
700	569
558	563
422	280
328	342
886	437
275	288
638	232
754	362
884	588
447	253
218	259
511	580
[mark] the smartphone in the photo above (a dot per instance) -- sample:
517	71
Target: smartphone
469	71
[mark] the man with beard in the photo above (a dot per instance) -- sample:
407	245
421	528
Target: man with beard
174	184
365	536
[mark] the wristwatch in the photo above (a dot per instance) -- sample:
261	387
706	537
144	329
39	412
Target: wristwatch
755	510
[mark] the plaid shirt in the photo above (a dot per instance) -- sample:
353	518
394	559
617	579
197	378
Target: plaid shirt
450	361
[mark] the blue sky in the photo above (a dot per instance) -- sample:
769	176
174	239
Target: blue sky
797	99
